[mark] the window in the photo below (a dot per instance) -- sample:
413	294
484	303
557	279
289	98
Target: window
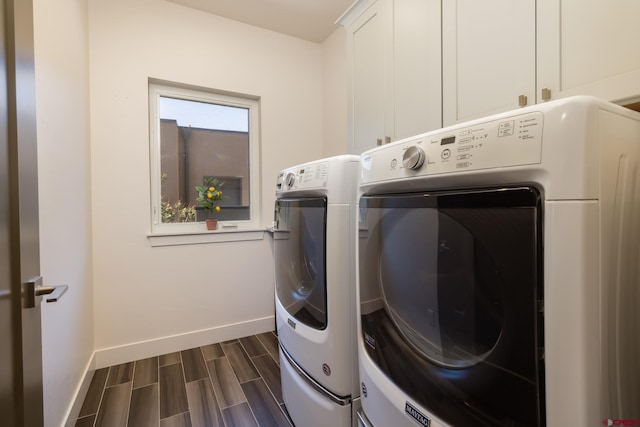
197	135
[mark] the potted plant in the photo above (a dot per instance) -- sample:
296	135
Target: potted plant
209	195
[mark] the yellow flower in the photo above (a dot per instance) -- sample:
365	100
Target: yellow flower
209	196
219	193
217	208
212	189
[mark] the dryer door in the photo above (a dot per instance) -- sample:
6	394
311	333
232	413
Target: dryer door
450	287
299	252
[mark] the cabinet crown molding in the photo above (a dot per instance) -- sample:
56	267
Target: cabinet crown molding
353	12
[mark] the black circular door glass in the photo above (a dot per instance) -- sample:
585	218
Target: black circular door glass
442	291
299	254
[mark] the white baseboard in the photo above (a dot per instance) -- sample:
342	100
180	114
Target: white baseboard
144	349
81	392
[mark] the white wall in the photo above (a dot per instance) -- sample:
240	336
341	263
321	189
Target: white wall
157	299
62	104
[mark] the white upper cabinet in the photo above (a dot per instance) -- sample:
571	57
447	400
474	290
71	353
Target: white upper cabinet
488	57
368	86
395	85
417	71
418	65
589	47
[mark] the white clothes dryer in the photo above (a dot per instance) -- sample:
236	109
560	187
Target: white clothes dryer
498	273
314	251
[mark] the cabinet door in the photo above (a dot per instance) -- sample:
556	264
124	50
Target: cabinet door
489	57
589	48
417	67
368	77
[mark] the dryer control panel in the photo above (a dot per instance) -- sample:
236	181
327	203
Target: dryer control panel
515	140
313	175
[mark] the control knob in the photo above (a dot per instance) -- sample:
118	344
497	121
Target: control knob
290	179
413	157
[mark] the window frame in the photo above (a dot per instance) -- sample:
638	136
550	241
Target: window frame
191	231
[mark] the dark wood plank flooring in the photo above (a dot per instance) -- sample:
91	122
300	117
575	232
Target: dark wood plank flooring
231	384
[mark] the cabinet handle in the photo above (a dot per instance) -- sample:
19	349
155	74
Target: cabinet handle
546	94
522	100
379	141
387	139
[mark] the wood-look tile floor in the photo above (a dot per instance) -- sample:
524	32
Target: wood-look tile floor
231	384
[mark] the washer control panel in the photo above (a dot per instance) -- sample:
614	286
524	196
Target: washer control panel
513	141
308	176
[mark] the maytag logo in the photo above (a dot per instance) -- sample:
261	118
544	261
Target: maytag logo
417	415
291	323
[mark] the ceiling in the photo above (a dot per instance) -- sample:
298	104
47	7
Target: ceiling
312	20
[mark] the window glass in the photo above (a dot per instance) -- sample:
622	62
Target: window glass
204	154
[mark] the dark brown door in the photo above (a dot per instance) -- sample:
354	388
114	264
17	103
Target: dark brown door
20	330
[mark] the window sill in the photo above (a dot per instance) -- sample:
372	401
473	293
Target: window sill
197	238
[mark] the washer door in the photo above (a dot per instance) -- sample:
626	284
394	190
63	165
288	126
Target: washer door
299	253
450	286
444	294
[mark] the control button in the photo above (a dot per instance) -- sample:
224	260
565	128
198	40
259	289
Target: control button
290	179
445	154
394	163
413	158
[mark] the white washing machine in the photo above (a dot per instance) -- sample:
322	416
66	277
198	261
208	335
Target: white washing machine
314	251
499	278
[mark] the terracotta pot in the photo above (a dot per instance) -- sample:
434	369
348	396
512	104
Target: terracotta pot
212	224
